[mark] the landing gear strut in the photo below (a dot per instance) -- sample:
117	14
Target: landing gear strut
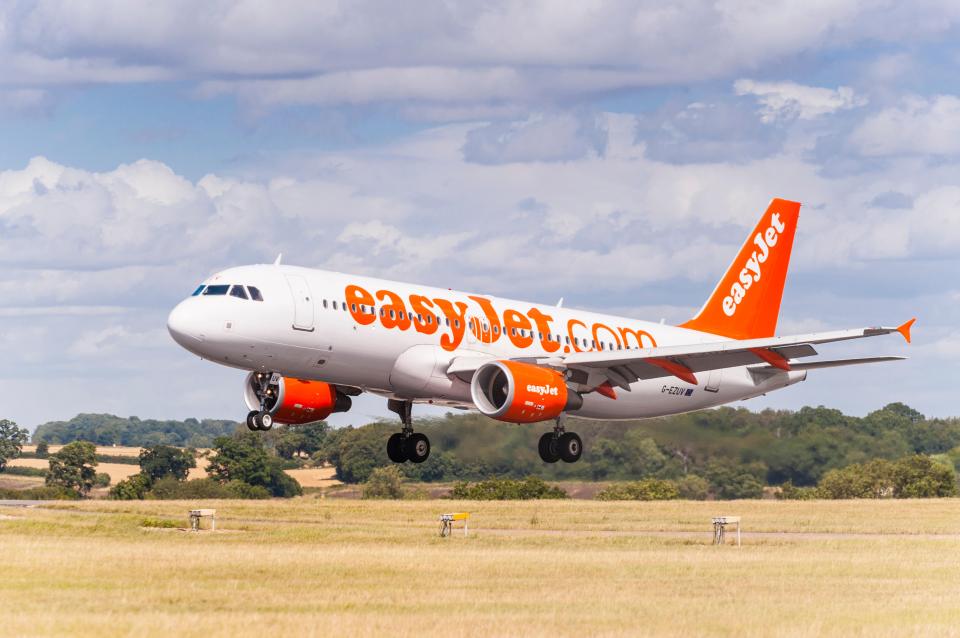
406	445
560	445
261	419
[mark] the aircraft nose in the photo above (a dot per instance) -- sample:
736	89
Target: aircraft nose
184	324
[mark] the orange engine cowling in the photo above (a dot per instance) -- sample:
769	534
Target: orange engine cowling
293	401
521	392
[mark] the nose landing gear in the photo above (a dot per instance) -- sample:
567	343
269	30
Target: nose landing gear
560	445
259	420
406	445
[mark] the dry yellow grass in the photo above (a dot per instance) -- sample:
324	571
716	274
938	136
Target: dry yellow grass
315	477
315	567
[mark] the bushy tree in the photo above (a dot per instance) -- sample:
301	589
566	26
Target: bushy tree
361	450
693	487
732	481
43	450
502	489
158	461
240	458
12	439
132	488
296	440
645	490
74	466
921	476
243	458
384	483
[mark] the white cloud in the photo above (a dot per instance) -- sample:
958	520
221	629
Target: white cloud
789	100
553	137
918	126
485	55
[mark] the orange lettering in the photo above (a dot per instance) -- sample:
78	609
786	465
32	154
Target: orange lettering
394	314
543	327
573	339
491	335
597	327
357	297
457	324
639	336
419	304
514	323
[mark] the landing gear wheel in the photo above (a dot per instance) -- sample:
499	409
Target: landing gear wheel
262	421
570	447
549	452
395	448
417	447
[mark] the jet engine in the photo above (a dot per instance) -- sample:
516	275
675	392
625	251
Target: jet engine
521	392
293	401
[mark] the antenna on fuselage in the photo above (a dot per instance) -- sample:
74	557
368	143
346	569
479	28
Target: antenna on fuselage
276	262
560	303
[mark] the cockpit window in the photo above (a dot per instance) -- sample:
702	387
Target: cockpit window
198	290
255	293
216	290
238	291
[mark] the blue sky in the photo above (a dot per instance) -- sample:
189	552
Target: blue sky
614	153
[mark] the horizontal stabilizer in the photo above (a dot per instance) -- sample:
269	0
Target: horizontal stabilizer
836	363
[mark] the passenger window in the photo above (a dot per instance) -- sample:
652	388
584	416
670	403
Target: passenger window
334	305
353	307
239	292
198	290
324	304
216	290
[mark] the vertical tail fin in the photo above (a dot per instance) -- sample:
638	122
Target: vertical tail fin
746	302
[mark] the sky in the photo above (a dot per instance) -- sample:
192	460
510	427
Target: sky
612	153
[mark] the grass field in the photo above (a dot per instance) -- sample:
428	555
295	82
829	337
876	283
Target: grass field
315	567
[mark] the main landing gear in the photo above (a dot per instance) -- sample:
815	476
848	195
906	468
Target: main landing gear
406	445
560	445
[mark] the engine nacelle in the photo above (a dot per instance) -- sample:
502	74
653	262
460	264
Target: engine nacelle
293	401
521	392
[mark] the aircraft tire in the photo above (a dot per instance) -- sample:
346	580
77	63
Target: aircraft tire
547	447
395	448
570	447
263	421
417	447
251	423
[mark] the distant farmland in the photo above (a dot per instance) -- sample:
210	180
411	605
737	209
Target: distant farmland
308	478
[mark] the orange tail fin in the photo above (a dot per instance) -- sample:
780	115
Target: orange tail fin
746	302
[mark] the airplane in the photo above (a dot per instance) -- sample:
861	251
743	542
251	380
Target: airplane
312	339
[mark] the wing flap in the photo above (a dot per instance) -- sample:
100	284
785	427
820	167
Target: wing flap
687	360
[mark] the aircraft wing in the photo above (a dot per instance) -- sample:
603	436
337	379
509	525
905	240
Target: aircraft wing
622	367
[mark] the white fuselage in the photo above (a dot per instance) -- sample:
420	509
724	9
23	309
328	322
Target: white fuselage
315	324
